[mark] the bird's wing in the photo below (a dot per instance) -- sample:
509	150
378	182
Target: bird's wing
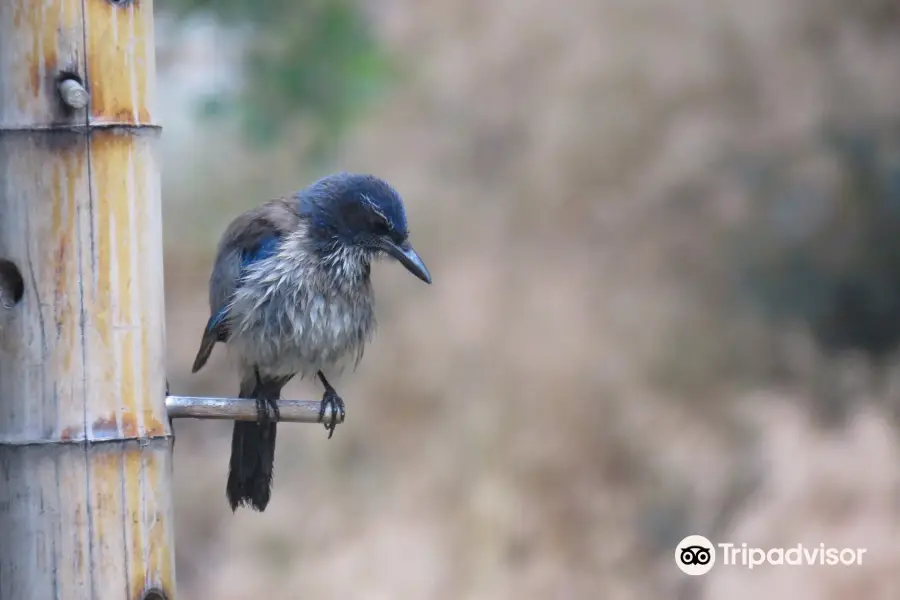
251	237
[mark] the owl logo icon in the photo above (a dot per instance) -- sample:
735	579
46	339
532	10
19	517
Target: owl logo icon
695	555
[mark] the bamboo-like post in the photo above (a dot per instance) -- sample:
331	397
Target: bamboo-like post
85	443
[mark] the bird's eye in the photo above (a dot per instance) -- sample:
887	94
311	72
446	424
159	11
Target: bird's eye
381	227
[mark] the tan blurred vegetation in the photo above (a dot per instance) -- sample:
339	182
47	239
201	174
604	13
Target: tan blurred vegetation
576	392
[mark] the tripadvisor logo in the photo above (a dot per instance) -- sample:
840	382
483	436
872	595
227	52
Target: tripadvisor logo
798	555
696	555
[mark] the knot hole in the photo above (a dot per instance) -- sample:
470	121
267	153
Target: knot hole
154	594
12	286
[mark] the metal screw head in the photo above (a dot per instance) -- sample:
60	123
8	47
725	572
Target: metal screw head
73	93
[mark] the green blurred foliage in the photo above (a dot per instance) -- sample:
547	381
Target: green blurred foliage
311	60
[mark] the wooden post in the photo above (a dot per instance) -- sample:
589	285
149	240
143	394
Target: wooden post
85	445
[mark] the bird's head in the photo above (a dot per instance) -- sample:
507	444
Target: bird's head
361	213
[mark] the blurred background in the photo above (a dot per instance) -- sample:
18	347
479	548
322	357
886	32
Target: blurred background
665	241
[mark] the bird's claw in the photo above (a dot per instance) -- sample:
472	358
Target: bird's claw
331	400
266	405
267	410
276	412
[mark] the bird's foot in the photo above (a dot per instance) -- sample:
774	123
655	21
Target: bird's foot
267	410
331	400
266	403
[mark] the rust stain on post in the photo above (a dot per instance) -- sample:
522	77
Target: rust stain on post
124	162
85	445
113	237
121	42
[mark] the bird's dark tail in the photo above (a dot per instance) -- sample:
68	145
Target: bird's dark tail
253	451
252	461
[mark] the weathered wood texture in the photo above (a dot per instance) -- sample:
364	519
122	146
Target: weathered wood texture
85	445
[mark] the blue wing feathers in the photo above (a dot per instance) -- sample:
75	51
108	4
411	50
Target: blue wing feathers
267	247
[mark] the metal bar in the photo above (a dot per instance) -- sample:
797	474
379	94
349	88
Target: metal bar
244	409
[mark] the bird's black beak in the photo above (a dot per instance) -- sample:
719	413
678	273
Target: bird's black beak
407	257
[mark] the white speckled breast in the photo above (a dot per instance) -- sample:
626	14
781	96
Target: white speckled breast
295	314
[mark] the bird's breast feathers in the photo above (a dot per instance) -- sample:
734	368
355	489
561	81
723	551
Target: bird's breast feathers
292	315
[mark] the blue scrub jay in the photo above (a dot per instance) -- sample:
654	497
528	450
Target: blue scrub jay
290	294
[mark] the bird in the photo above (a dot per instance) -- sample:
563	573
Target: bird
290	294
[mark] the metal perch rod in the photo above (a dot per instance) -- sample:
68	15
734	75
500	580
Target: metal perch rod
244	409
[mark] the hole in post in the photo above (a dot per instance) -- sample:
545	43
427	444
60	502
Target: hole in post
154	594
12	286
120	2
63	75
